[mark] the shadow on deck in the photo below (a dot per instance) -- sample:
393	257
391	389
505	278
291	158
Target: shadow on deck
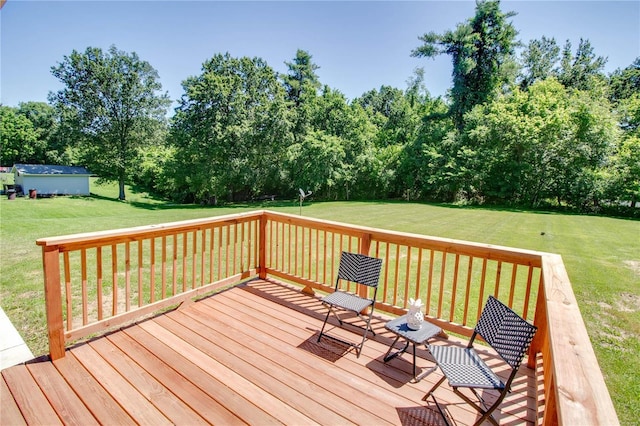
247	355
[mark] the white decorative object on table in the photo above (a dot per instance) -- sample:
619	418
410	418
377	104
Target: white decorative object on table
415	317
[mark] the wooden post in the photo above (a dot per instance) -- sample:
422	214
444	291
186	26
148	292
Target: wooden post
53	300
262	250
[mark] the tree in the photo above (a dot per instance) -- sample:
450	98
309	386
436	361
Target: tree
301	84
539	61
578	71
19	138
230	130
625	83
54	145
316	163
547	142
112	102
301	78
481	52
390	110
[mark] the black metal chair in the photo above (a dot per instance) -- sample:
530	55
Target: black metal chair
508	334
360	269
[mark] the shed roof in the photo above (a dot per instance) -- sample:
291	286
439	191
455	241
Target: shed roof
48	169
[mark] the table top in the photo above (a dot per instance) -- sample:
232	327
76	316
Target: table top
399	326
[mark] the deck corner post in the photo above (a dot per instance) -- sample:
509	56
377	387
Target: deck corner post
53	301
262	249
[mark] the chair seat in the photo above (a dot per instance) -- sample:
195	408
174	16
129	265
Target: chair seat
347	301
463	367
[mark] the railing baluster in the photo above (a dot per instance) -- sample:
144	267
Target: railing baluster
418	274
430	281
114	277
443	269
496	292
482	283
127	275
324	256
203	255
234	268
407	275
152	268
317	253
220	238
309	253
163	266
454	290
194	260
467	293
282	247
184	261
99	281
67	287
527	293
141	297
174	256
514	272
85	298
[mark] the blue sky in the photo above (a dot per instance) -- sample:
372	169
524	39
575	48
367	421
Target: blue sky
359	45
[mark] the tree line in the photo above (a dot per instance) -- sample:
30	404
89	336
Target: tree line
524	125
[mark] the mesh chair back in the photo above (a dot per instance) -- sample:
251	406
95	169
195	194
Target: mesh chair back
505	331
360	269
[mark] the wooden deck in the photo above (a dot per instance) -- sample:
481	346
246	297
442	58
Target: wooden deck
245	355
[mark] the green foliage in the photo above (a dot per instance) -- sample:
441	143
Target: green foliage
301	84
481	51
539	61
20	143
390	110
230	130
543	143
625	83
317	163
583	70
111	104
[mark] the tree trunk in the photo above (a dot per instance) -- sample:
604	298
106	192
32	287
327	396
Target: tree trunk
121	196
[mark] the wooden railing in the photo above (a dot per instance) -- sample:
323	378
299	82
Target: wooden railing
99	280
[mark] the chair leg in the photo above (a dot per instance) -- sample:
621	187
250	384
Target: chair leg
323	325
486	414
442	379
364	336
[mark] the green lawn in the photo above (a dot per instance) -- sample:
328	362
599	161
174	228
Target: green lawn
602	256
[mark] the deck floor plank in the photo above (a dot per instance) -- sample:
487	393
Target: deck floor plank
159	394
323	387
247	355
250	390
95	397
138	407
210	409
227	396
297	327
33	404
275	338
64	401
11	414
259	369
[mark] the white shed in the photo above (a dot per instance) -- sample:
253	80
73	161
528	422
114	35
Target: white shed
52	180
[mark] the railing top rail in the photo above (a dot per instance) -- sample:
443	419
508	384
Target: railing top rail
448	245
105	237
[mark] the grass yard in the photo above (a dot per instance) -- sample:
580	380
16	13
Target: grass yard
602	257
